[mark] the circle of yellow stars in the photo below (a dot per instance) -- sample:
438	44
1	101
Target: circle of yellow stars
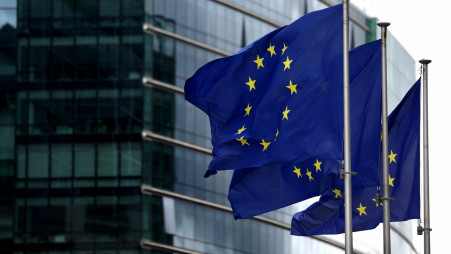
252	84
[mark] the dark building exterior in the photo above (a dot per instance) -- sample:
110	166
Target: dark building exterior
73	108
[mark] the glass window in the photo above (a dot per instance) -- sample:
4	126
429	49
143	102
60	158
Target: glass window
36	220
109	8
22	113
132	51
109	13
130	159
60	219
21	161
169	11
108	57
130	212
40	9
164	59
63	8
162	166
19	216
23	53
7	137
107	219
22	7
86	8
61	160
38	161
132	13
86	111
107	111
82	218
130	111
63	117
133	8
85	57
62	55
39	59
163	112
107	159
39	112
158	7
84	162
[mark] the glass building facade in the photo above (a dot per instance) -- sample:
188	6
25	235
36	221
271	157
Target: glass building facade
73	108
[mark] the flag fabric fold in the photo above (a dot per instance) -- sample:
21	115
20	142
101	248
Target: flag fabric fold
277	101
254	191
327	215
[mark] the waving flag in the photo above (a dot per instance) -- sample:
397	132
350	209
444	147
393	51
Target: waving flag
327	215
277	101
258	190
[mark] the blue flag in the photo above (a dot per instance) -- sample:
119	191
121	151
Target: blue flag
327	215
277	101
258	190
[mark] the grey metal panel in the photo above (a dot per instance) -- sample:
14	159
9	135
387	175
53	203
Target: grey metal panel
248	12
153	83
148	244
151	136
156	30
150	190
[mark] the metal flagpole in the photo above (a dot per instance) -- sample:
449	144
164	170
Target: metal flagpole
347	133
385	186
427	227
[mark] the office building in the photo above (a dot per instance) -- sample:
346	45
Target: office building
81	79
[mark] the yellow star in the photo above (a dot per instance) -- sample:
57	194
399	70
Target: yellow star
284	48
392	156
361	209
309	175
265	144
390	181
292	87
377	203
240	130
285	113
337	193
251	84
287	63
297	171
243	141
248	110
277	133
317	165
271	49
259	62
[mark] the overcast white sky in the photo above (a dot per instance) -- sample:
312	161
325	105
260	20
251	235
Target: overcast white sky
423	28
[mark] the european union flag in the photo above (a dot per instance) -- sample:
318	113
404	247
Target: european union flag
258	190
327	215
277	101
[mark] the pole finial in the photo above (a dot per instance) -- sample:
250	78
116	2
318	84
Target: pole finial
383	24
425	61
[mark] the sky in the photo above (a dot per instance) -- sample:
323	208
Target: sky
422	28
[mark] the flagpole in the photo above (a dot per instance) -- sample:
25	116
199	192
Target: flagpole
385	174
347	133
427	227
